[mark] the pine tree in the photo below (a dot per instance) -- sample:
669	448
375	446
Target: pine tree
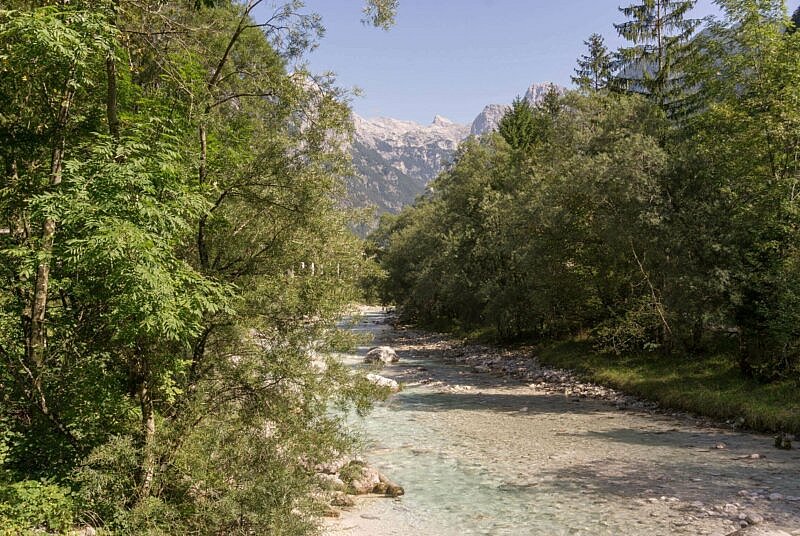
594	69
659	31
518	125
795	20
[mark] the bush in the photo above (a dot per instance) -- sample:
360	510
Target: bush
28	505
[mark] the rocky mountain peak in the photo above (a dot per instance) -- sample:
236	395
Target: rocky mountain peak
489	118
440	121
537	92
395	160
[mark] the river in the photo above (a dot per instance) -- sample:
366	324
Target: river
486	454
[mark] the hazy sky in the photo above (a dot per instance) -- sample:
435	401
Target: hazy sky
452	57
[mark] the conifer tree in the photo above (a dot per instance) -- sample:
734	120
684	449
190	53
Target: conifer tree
659	32
595	68
518	126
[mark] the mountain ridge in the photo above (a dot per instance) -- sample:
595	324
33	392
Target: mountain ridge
395	159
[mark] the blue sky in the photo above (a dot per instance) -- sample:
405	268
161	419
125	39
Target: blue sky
452	57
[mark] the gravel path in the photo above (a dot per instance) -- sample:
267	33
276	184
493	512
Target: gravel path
486	442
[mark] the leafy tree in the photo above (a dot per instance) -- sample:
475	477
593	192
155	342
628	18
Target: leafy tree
171	253
595	69
745	135
380	13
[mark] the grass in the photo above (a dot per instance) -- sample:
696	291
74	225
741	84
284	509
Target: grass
708	385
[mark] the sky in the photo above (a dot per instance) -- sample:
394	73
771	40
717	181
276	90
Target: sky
453	57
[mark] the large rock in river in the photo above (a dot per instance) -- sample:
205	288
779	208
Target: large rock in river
382	381
360	477
381	354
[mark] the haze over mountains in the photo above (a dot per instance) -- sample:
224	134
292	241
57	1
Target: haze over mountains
395	159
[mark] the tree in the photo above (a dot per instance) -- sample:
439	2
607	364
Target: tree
595	69
171	251
518	125
747	134
660	33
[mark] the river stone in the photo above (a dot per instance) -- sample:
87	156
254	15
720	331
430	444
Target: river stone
759	531
342	499
388	487
331	482
381	354
382	381
754	519
333	466
359	477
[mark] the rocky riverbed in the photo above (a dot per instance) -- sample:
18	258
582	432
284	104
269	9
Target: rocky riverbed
488	442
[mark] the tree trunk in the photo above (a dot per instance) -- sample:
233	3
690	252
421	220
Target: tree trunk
38	332
112	114
148	468
202	249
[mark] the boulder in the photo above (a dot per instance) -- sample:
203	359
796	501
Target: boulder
388	487
382	381
331	482
783	441
381	354
332	467
342	500
359	477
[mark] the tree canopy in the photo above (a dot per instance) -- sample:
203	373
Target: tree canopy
172	257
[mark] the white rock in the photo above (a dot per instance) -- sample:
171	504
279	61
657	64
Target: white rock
382	381
381	354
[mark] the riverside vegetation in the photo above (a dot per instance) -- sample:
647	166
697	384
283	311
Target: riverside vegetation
651	217
171	252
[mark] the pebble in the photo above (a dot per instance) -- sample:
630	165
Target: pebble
775	497
753	518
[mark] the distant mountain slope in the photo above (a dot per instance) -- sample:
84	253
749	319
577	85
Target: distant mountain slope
395	160
488	119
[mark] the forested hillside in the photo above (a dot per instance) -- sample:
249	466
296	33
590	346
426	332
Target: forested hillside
654	209
170	250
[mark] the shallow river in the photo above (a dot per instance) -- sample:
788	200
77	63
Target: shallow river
481	454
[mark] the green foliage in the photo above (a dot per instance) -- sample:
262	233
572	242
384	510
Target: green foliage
517	244
29	506
172	198
595	69
654	63
610	217
380	13
709	384
518	125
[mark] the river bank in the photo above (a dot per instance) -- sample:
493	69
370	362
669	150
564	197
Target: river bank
493	444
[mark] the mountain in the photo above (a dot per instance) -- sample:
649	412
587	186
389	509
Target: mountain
395	160
489	118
